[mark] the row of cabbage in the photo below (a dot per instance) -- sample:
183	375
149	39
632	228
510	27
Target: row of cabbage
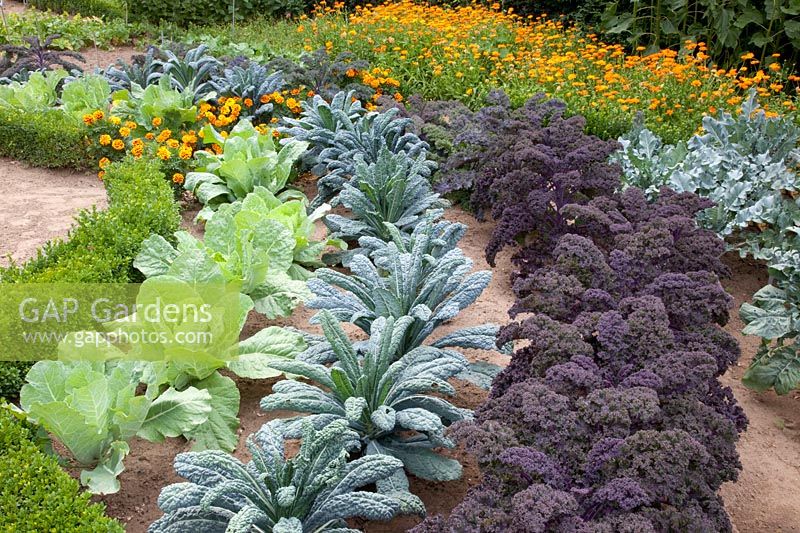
610	416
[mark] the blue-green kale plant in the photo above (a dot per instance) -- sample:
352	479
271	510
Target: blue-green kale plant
392	403
314	491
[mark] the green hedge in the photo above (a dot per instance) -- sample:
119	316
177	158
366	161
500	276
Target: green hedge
49	138
92	8
185	12
36	494
102	245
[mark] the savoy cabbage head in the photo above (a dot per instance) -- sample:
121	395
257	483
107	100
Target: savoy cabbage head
314	491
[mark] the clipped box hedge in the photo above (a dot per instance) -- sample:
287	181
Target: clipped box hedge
36	494
91	8
102	245
49	138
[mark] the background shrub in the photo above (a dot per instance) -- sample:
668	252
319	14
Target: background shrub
48	138
95	8
185	12
36	495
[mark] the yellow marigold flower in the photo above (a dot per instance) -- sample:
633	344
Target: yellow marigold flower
774	67
101	174
177	178
124	131
118	144
163	136
131	125
173	143
157	121
88	119
115	120
163	153
104	140
185	152
98	115
149	135
103	163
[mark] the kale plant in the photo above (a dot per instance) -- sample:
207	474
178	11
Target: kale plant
316	490
193	73
390	193
406	283
143	70
611	416
774	316
745	164
340	132
36	57
250	82
387	400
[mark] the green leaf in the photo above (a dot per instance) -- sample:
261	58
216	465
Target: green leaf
174	413
103	479
219	432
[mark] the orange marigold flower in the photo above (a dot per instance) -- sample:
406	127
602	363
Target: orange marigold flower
98	115
248	102
103	163
118	144
149	135
177	178
163	153
88	119
185	152
101	174
157	121
124	131
163	136
104	140
173	143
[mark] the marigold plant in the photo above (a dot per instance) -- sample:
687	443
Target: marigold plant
463	52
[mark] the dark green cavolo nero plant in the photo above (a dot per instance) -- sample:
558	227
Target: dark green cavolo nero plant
314	491
339	133
406	282
390	192
387	400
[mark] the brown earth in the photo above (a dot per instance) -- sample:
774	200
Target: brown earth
767	495
38	205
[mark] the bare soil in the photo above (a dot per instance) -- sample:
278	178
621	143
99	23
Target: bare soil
38	205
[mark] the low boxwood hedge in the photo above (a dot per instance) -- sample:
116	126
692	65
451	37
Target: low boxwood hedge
35	493
49	138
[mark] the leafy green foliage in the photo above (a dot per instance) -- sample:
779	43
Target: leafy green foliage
259	242
340	132
159	100
191	73
390	192
405	281
387	400
93	410
93	8
316	490
38	56
85	94
745	164
774	316
38	92
249	159
729	29
47	138
75	32
252	81
36	494
142	70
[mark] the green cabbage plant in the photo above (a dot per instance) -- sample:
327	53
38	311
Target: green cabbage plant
249	159
94	409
